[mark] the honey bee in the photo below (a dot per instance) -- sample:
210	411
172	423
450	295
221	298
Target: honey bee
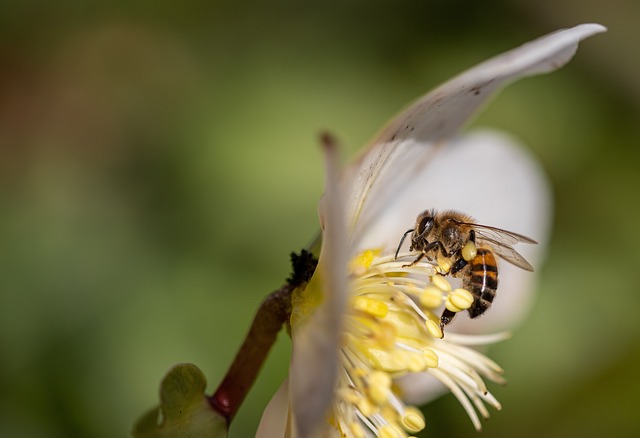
465	249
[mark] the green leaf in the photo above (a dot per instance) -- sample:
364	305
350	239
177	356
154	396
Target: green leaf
184	410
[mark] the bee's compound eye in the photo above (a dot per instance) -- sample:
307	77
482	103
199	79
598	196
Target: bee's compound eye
425	225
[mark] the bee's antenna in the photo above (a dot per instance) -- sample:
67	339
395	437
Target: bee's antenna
404	236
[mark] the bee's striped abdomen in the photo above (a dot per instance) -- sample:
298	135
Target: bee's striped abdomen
482	281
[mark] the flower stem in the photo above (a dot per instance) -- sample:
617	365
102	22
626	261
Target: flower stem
270	317
272	314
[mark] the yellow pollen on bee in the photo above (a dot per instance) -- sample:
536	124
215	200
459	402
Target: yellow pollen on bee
370	306
469	251
444	264
461	298
413	420
431	297
439	282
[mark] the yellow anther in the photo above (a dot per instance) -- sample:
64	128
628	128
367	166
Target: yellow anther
434	329
366	407
405	324
356	430
388	431
379	386
377	358
439	282
431	297
385	335
417	363
461	298
413	289
451	306
430	356
400	359
413	420
363	261
469	251
370	306
359	372
349	395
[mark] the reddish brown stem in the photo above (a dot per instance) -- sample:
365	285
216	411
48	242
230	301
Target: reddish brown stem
274	311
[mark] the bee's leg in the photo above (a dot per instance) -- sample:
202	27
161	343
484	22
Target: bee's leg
446	318
425	253
433	245
420	257
458	266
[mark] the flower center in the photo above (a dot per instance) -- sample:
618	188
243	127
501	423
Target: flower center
390	331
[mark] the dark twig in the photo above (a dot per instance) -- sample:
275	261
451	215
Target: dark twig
272	314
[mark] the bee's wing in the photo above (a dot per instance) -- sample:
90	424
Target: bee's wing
502	242
412	139
508	253
500	235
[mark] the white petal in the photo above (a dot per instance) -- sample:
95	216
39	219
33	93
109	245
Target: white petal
314	361
275	417
411	140
493	178
420	388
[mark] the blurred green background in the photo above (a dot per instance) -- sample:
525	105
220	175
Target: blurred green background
158	162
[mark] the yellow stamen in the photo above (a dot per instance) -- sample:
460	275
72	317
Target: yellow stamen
406	325
348	395
392	330
439	282
370	306
385	336
366	407
363	261
451	306
356	430
388	431
417	363
379	387
434	329
413	420
431	297
461	298
431	357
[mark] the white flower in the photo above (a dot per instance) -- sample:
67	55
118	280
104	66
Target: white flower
366	324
